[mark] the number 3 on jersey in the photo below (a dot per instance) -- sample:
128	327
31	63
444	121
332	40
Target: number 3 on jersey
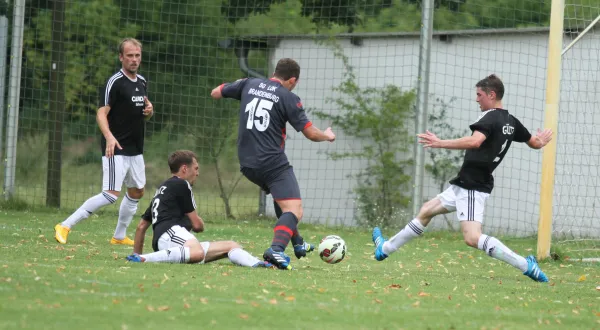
260	110
155	204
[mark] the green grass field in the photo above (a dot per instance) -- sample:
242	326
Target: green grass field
435	282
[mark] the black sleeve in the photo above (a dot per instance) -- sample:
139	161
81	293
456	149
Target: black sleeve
109	93
485	124
295	113
147	216
233	90
521	132
186	197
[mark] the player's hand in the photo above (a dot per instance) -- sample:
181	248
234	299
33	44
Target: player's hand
329	134
148	108
111	143
544	136
429	140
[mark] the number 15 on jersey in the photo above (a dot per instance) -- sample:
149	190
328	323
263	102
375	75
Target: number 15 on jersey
261	110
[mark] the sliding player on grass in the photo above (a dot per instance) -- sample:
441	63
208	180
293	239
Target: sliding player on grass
172	214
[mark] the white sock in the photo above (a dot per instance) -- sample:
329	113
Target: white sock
126	212
174	255
495	249
90	206
413	229
242	257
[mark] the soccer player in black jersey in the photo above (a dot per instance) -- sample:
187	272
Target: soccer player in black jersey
172	214
266	106
492	135
124	109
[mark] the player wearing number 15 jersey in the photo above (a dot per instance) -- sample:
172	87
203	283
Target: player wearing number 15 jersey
492	134
172	214
266	106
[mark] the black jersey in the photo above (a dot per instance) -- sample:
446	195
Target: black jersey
126	118
172	200
265	108
501	129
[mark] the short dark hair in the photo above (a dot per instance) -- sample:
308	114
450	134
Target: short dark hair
179	158
287	68
492	83
134	41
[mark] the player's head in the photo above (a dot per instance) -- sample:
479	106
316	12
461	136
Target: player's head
490	91
184	164
130	54
288	71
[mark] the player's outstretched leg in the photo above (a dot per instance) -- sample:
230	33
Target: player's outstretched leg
383	248
174	255
379	240
534	271
494	248
61	230
239	256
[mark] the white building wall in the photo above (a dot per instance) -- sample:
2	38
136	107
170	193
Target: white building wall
456	65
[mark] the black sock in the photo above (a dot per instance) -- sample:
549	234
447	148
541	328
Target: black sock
283	231
297	239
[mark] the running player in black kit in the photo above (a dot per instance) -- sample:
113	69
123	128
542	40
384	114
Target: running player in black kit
493	133
265	108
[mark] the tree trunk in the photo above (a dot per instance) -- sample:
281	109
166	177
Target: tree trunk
223	195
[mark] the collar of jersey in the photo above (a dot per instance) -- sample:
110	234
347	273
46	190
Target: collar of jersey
275	80
126	76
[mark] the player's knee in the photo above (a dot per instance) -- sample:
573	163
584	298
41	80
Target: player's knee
426	211
299	212
197	253
471	240
233	245
113	194
135	193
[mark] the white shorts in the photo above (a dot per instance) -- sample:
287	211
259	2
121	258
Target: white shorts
119	169
176	236
468	204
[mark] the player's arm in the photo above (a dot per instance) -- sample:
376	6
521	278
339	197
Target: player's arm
229	90
188	206
148	109
140	235
216	92
430	140
197	222
140	231
296	116
316	135
111	141
540	140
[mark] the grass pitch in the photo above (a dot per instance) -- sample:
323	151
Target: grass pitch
435	282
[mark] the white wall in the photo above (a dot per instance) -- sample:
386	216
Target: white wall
456	65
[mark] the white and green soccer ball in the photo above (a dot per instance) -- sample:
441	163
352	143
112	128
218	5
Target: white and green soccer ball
332	249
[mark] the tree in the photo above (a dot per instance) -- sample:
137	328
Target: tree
323	13
378	117
90	40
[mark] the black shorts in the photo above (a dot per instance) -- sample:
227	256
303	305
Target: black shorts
280	182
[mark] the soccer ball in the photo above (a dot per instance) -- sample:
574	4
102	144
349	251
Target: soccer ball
332	249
